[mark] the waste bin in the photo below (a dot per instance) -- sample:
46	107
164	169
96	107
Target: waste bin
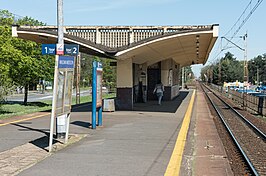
108	105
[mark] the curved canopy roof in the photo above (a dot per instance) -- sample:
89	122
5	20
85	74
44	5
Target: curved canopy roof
184	47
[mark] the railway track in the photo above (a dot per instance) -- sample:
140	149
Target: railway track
249	139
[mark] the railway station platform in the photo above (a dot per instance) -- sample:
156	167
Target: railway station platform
167	139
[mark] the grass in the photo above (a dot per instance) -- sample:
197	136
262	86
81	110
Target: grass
15	109
9	109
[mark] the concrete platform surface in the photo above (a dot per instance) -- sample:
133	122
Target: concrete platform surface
138	142
204	153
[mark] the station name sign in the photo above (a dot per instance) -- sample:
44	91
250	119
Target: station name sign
60	49
66	62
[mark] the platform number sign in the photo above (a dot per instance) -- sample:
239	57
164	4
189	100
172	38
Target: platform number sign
48	49
71	50
60	49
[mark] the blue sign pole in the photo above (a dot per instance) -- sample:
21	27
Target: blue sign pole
100	119
94	95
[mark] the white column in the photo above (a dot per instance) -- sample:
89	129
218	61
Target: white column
124	73
98	36
124	93
183	72
166	65
131	36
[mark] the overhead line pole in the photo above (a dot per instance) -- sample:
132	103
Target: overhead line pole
233	43
245	70
243	19
245	59
245	78
245	56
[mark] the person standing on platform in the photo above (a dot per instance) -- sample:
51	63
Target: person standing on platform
159	89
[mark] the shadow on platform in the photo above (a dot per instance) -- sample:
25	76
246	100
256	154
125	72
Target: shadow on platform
83	107
81	124
166	106
42	142
150	106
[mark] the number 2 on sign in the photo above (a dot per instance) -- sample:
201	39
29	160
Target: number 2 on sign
74	50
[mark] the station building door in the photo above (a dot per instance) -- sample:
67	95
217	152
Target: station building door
153	75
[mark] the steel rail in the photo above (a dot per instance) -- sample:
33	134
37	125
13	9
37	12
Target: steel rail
257	130
249	163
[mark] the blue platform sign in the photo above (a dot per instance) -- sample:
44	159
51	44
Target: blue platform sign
72	50
66	62
48	49
96	93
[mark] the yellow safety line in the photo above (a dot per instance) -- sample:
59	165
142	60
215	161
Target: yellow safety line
21	120
174	164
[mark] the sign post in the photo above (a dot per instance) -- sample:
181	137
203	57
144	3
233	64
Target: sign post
96	93
63	80
60	44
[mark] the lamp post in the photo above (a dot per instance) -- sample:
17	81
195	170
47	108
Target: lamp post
256	81
258	78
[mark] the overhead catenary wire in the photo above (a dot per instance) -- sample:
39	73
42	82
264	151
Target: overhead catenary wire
246	18
250	9
15	16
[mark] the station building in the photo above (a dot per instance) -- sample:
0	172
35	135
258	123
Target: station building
143	54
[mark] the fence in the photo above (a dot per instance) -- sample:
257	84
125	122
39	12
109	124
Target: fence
250	102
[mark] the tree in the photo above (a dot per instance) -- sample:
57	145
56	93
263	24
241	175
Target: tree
6	18
21	61
109	72
28	21
257	69
231	69
227	69
5	81
188	73
206	73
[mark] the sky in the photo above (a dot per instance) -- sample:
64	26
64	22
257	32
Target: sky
158	13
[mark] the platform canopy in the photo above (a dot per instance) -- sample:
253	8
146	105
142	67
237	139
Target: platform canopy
186	46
